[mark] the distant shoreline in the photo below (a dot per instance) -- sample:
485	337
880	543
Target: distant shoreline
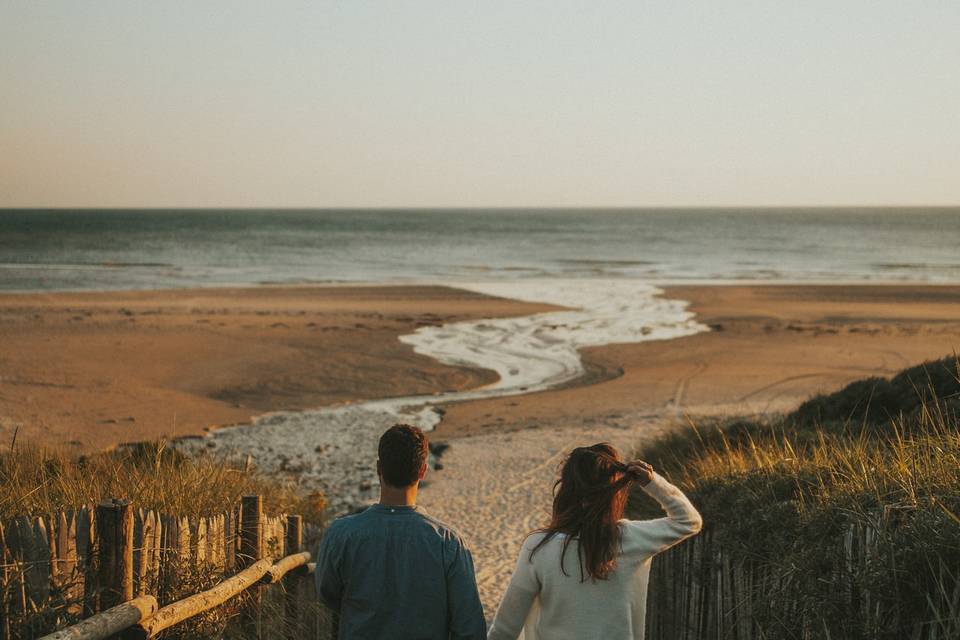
507	209
669	283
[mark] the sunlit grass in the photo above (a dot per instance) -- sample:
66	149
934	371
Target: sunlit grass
41	481
36	481
790	495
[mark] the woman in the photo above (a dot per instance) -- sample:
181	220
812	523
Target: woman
584	576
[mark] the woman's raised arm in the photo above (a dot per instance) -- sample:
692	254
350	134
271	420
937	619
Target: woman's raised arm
682	521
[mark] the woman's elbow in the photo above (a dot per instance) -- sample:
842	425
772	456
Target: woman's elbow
694	523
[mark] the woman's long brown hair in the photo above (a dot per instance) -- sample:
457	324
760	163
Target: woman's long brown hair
588	501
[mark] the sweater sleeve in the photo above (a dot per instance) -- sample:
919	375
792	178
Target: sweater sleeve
519	599
682	520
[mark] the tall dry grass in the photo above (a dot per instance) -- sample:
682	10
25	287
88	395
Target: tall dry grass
36	480
785	496
41	481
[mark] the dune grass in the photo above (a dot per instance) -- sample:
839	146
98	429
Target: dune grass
36	480
41	481
876	402
786	495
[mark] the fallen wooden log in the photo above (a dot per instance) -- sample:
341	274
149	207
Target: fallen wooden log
200	602
140	618
284	566
111	621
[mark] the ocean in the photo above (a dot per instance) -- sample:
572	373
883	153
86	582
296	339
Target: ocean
137	249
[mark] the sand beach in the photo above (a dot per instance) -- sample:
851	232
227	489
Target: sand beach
90	371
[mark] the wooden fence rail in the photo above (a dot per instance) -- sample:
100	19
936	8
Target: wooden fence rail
110	622
123	569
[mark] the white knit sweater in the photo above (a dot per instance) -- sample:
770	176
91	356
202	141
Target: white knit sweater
544	604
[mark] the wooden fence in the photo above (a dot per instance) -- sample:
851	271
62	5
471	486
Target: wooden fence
114	564
701	591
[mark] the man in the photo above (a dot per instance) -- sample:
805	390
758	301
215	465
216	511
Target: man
392	571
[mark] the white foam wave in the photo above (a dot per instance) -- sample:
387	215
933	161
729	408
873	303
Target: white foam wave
532	353
335	448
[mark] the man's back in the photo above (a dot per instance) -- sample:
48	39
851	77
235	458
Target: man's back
394	572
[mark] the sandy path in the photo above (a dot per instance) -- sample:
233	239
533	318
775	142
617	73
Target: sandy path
495	488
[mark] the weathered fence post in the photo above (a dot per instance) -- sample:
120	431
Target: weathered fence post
251	550
86	545
293	543
4	586
115	552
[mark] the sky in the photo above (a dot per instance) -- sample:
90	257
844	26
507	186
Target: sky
479	104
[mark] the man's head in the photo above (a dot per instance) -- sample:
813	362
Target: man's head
403	456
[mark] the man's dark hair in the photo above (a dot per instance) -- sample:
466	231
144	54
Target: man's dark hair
403	451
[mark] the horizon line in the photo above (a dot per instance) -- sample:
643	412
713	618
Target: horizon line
438	208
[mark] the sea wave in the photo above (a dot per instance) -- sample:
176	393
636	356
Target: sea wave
540	351
107	264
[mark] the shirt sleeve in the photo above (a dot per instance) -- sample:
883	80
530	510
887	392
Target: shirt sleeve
466	621
682	520
520	596
327	571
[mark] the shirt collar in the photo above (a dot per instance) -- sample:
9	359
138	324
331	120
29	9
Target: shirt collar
385	508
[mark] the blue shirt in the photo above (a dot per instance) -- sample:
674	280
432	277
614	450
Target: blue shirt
396	573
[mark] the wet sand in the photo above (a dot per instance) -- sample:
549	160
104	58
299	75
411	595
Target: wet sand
770	347
92	370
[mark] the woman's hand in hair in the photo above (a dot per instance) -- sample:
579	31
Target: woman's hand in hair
640	470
